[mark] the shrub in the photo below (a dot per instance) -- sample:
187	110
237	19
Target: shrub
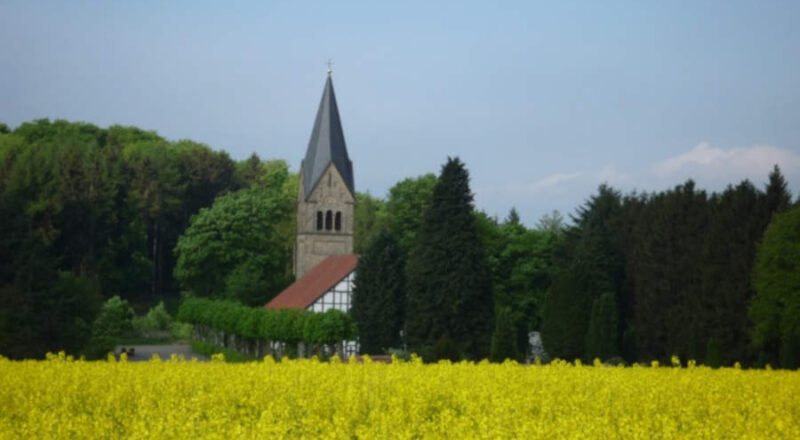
115	319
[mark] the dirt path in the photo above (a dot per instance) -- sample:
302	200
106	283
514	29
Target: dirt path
145	352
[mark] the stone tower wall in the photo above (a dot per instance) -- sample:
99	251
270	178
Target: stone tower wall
313	245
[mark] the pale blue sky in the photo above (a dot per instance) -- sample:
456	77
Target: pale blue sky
543	101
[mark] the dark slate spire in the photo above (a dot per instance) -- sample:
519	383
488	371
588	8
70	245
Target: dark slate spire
326	145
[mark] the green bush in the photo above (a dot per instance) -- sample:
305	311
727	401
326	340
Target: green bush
180	330
115	320
156	319
206	349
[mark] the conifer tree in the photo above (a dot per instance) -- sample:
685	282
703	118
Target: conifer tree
728	253
593	264
778	198
601	338
504	338
667	269
379	294
450	286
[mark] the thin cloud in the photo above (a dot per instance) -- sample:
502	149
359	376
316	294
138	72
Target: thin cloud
711	167
552	181
705	162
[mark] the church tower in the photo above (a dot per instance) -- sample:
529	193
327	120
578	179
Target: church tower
326	195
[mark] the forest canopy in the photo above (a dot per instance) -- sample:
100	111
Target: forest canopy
92	213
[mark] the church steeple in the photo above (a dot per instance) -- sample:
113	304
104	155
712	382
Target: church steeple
326	145
326	193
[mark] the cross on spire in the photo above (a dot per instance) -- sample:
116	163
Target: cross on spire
330	64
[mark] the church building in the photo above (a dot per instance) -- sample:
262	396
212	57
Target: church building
323	263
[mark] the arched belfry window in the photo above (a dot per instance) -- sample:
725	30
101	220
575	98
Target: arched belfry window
338	222
319	220
328	220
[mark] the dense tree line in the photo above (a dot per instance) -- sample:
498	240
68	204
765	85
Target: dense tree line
474	286
89	213
679	267
635	277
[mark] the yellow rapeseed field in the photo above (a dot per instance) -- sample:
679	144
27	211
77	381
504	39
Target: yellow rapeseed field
173	399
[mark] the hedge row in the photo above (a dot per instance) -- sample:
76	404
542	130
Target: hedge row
286	325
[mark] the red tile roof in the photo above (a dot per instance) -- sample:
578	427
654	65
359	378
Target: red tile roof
303	292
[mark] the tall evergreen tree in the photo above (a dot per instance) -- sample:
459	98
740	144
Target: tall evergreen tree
728	253
778	198
450	286
601	338
593	264
667	266
379	294
504	344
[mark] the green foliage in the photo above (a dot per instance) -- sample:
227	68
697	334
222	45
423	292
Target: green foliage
601	338
180	330
443	349
107	204
369	220
284	325
378	302
156	319
328	327
115	320
208	349
552	223
269	174
89	211
790	352
504	338
51	313
713	353
206	173
408	201
594	264
629	352
565	317
523	265
236	244
449	280
775	309
249	283
667	274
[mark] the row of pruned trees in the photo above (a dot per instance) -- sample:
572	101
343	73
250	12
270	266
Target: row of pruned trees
256	331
